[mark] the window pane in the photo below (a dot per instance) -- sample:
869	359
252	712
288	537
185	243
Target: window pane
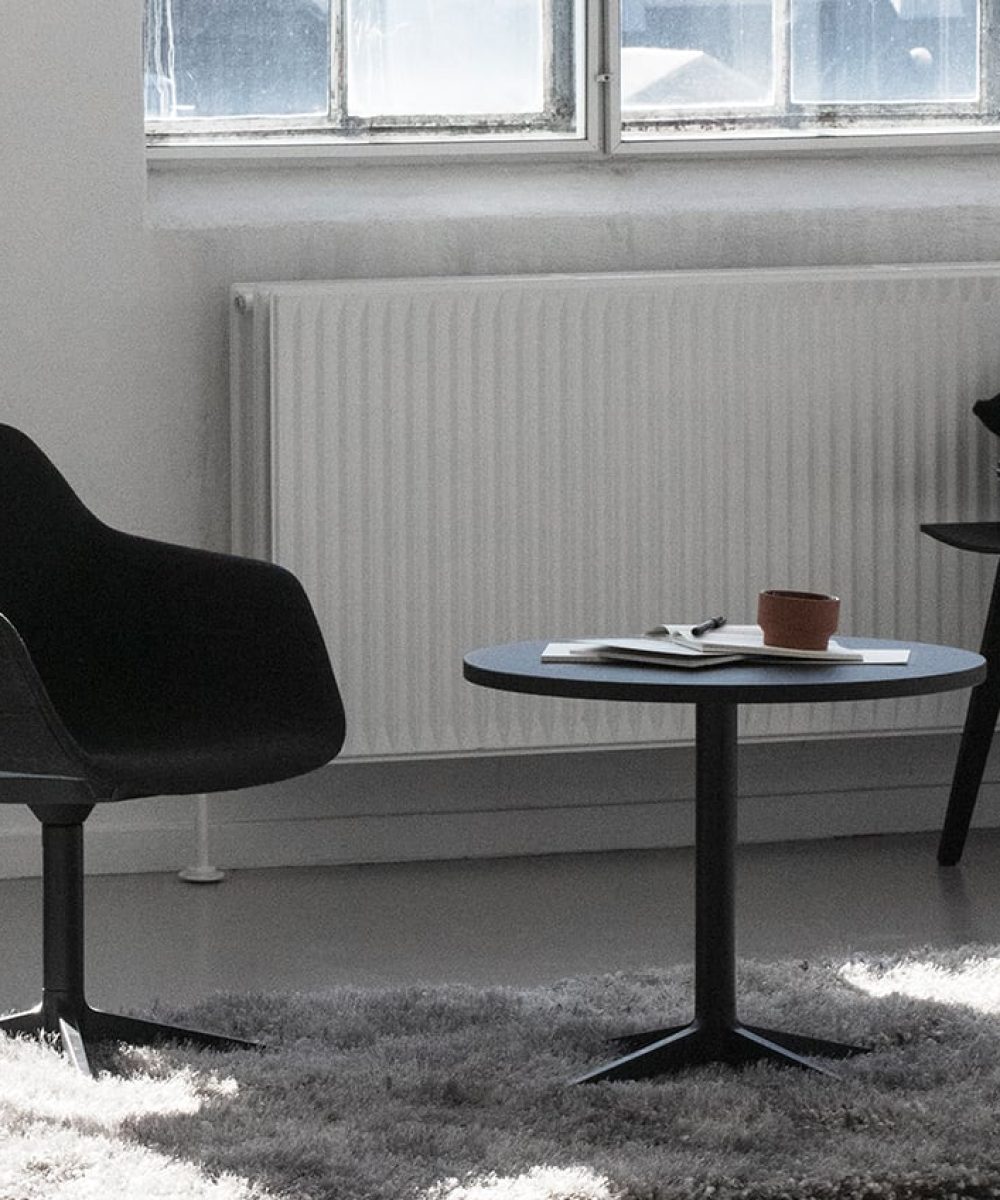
696	53
445	57
879	51
219	58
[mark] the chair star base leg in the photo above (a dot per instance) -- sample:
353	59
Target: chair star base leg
29	1021
77	1025
663	1050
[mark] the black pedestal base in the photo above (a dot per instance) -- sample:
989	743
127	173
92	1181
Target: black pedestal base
715	1035
661	1050
76	1025
63	1013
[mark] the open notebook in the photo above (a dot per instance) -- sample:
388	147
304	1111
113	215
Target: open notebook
674	646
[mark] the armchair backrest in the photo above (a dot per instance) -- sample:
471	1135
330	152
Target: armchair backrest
47	539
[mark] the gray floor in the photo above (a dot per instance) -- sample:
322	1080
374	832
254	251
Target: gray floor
519	921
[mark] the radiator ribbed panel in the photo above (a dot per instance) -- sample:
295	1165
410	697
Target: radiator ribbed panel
456	462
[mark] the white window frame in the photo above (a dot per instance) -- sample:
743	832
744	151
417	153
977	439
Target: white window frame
242	139
803	123
601	133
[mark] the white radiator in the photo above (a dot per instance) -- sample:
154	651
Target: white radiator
447	463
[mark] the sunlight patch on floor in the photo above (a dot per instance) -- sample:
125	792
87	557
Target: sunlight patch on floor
67	1135
37	1082
41	1161
974	983
539	1183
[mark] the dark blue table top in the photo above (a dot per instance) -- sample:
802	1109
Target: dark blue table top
517	667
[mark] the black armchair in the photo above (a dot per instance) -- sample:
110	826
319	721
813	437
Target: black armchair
131	667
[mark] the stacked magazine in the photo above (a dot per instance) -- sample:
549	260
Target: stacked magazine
676	646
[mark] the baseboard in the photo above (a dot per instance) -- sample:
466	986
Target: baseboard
498	805
108	850
608	800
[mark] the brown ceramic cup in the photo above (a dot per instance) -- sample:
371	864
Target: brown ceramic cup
797	620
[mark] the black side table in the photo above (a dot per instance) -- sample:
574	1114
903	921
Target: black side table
981	537
716	1033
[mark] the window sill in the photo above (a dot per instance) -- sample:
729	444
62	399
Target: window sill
248	192
620	214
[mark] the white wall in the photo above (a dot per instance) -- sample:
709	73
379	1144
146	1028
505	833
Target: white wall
113	286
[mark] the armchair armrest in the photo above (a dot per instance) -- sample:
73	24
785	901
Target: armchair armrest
35	741
172	641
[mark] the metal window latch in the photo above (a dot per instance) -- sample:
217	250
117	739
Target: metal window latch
603	77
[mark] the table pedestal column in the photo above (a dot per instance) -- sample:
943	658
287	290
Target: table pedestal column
715	1034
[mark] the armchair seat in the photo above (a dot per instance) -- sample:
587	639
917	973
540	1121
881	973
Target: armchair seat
131	667
166	762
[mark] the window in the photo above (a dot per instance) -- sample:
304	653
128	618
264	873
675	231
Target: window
723	66
363	69
564	72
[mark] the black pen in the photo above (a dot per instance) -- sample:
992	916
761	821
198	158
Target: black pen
705	626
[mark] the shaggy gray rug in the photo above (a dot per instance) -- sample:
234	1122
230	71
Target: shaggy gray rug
453	1093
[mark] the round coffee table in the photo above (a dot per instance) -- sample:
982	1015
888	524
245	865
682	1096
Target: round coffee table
715	1033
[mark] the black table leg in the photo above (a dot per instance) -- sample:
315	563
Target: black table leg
715	1034
977	734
